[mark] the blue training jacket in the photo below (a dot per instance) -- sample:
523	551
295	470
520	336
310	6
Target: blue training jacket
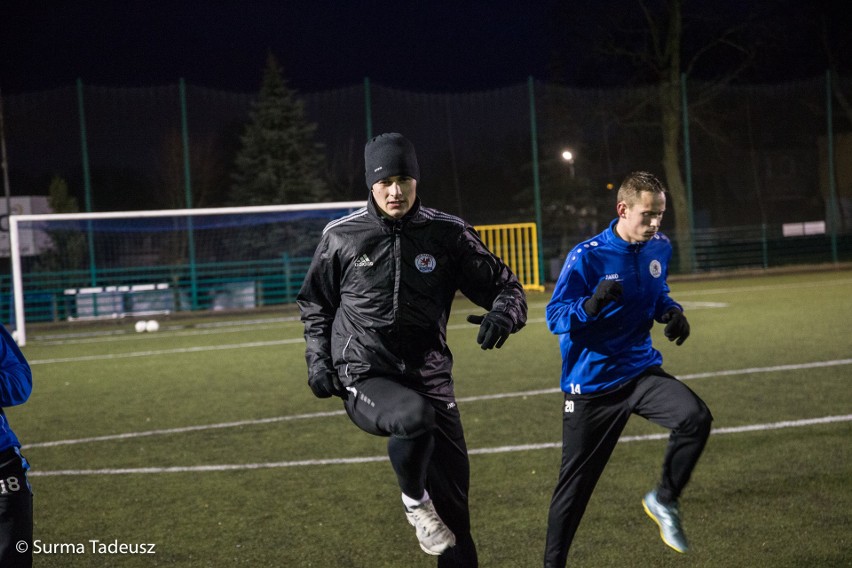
16	384
599	353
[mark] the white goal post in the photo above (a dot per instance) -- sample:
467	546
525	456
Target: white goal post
18	224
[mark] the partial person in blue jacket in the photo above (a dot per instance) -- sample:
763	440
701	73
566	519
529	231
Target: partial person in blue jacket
16	498
611	290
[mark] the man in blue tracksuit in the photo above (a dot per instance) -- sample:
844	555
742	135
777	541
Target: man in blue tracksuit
16	499
610	291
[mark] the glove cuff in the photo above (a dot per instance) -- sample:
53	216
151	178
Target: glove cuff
669	314
590	306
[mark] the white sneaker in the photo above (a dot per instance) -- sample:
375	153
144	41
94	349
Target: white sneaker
434	536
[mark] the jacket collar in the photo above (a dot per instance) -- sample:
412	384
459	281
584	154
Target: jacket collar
376	213
617	242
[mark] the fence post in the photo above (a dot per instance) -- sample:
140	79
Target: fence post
288	277
832	193
190	236
764	246
687	166
536	184
87	186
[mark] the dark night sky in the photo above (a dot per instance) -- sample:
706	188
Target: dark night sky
429	45
426	45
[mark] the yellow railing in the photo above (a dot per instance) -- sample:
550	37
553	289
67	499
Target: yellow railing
517	245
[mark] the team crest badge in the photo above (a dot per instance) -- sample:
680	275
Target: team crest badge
656	269
425	263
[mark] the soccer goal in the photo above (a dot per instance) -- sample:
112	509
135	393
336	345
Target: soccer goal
79	266
89	266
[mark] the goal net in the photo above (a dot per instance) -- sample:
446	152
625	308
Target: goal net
132	263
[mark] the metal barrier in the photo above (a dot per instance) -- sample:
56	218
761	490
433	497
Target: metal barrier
69	295
517	245
64	295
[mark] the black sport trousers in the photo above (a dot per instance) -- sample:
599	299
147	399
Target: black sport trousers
16	513
385	407
591	427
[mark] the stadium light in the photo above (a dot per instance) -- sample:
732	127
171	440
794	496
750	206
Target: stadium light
568	156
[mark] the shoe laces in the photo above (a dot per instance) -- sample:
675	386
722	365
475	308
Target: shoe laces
427	518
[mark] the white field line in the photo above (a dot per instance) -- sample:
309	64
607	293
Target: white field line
499	449
201	349
665	435
177	469
247	345
185	429
198	349
763	287
171	331
69	338
58	338
160	352
371	459
477	398
216	328
127	334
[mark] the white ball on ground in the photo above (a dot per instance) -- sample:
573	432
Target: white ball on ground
152	326
140	326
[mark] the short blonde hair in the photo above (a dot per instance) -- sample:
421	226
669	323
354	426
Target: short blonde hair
636	183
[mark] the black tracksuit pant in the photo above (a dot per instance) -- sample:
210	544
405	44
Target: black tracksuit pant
427	450
591	427
16	513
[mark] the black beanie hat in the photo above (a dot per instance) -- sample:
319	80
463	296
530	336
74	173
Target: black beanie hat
389	155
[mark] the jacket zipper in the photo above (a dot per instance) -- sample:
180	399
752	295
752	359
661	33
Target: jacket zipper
636	250
397	277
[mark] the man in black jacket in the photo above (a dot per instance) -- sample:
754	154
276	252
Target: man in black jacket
375	304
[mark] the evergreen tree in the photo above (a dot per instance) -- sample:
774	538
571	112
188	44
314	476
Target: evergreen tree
68	245
279	161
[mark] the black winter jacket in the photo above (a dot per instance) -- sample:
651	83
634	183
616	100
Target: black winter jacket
376	299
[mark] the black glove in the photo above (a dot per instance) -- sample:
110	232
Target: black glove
494	329
608	291
326	385
676	325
